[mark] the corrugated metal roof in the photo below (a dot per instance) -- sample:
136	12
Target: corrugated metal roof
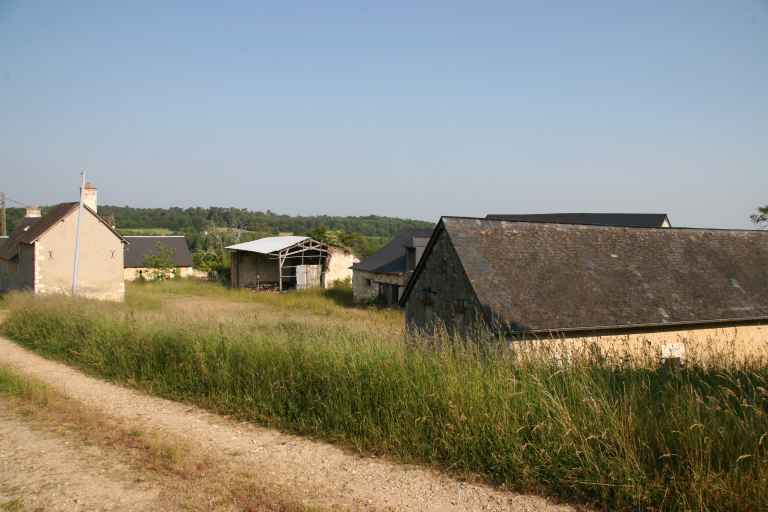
558	277
139	248
269	244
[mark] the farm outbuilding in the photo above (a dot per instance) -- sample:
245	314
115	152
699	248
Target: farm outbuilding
141	249
280	263
528	279
383	275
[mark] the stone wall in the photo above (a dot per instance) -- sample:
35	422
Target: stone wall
714	345
365	285
339	265
132	274
442	297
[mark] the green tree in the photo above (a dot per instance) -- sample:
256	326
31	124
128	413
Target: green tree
761	217
160	263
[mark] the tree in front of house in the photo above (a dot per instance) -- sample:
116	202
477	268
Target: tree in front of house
160	263
761	217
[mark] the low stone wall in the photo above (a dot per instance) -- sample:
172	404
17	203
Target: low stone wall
713	346
365	285
132	274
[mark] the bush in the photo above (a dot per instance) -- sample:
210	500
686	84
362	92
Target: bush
618	437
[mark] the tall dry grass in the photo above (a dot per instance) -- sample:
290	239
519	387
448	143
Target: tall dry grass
590	430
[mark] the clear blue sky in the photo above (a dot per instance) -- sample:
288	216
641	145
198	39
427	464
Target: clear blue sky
389	108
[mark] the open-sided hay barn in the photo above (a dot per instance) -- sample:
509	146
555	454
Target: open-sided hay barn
279	263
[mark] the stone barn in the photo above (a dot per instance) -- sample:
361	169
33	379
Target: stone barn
525	280
383	275
279	263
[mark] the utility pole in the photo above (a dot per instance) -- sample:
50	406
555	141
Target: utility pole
77	235
2	214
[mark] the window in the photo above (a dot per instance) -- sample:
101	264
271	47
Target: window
368	283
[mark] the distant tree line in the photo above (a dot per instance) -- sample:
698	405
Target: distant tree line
209	230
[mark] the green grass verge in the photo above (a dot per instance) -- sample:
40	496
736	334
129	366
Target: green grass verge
620	438
14	384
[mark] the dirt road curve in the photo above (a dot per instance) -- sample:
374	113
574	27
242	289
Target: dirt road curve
314	473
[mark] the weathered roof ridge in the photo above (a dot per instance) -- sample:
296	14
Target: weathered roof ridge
621	219
599	226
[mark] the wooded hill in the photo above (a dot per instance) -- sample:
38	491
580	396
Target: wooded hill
363	234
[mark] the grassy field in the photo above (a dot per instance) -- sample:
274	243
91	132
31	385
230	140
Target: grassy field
594	432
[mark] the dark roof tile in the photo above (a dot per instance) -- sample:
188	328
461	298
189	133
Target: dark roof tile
636	220
139	248
391	258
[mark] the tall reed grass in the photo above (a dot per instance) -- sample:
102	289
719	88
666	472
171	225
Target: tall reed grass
612	436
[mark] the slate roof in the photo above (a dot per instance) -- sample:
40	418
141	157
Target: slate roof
559	277
28	230
391	258
269	244
636	220
139	248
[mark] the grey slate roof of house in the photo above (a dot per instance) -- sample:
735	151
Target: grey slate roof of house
636	220
30	229
391	259
560	277
141	247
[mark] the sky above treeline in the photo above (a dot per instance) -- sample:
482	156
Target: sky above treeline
408	109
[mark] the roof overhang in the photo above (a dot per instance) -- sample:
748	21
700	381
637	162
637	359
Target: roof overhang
277	244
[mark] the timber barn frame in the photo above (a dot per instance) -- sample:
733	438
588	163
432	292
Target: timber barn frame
279	263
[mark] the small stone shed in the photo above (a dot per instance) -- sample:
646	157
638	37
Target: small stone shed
383	275
140	248
279	263
527	279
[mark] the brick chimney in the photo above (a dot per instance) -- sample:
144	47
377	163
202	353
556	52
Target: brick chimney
90	196
33	212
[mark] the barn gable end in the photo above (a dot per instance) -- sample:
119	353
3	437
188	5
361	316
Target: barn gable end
440	290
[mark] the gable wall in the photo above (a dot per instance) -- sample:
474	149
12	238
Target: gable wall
451	302
339	265
365	285
100	273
